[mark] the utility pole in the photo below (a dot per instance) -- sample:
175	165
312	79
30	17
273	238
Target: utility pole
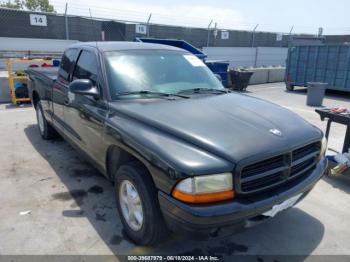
148	21
211	21
66	21
253	36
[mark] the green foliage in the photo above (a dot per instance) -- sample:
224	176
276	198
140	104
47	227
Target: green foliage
17	4
38	5
31	5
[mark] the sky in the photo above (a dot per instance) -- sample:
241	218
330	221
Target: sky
305	16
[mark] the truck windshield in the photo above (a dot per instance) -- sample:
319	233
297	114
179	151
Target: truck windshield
168	72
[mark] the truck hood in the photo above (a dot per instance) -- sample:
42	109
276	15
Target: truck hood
231	126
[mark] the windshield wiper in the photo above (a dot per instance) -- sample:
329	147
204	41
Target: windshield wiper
149	92
203	89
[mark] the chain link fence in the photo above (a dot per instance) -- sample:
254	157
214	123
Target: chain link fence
25	24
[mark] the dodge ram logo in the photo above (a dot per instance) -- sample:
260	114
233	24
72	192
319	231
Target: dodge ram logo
276	132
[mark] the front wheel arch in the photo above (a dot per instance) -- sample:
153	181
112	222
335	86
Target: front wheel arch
116	157
154	227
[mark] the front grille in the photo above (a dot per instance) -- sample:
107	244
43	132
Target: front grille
306	150
277	170
262	166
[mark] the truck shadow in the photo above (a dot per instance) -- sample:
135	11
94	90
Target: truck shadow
341	182
90	195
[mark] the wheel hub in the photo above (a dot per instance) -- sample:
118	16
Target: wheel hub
131	205
40	120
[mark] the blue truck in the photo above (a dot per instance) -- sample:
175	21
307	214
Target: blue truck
319	63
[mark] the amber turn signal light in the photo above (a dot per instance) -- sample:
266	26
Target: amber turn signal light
204	197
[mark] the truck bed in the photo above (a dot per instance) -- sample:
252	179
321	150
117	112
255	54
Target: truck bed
47	74
42	81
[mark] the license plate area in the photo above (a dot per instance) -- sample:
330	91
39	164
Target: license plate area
282	206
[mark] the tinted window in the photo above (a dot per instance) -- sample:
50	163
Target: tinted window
67	62
86	67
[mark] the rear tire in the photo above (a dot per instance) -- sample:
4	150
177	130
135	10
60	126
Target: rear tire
46	130
152	228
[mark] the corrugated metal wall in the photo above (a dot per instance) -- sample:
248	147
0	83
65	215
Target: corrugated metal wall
248	56
325	63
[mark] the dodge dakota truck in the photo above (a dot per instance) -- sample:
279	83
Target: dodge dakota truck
184	153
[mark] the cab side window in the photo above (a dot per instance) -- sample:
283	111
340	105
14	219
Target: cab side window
86	67
67	63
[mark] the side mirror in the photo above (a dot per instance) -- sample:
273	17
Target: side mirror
84	87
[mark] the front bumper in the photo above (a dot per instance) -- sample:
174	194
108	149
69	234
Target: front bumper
228	217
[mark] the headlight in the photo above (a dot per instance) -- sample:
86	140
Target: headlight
205	189
324	146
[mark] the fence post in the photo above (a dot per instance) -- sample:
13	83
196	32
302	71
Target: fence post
290	36
147	25
66	22
208	35
253	36
256	56
215	33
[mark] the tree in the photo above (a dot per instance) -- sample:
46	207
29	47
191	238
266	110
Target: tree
31	5
39	5
17	4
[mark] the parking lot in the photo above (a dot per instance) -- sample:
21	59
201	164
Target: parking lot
71	207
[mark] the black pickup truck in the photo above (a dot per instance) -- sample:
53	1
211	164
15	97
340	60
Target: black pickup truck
183	152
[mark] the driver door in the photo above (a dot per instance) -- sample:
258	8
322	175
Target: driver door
85	115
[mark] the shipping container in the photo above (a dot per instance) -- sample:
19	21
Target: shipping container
321	63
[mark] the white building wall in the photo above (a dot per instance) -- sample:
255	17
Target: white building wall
19	47
9	44
248	56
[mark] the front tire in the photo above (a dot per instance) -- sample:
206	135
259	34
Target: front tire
138	206
45	129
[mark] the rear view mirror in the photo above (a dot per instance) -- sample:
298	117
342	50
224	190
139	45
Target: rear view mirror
84	87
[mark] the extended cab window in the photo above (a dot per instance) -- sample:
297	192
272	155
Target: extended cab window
86	67
67	62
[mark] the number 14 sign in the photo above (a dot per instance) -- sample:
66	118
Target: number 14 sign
38	20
